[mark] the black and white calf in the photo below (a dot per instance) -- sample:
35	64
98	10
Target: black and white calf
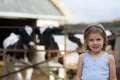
23	38
51	41
111	39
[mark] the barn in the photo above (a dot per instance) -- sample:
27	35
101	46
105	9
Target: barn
18	13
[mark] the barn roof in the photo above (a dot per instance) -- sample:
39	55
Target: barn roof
30	9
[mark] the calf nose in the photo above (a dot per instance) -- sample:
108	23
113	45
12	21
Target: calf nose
32	44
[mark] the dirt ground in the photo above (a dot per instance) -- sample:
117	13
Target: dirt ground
37	75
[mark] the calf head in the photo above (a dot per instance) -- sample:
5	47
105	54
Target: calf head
27	36
45	36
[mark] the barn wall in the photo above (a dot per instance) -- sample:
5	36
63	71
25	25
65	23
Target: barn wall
48	22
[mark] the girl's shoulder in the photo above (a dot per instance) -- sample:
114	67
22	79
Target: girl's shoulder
110	58
82	56
109	55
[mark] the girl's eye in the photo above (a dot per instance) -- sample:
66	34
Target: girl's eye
95	39
90	39
98	39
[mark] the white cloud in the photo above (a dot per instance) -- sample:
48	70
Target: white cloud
93	10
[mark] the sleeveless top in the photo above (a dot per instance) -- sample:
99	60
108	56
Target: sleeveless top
95	68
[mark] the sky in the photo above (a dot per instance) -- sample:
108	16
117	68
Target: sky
92	10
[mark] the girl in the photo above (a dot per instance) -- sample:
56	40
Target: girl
96	63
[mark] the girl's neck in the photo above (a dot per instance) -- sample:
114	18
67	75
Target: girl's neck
96	54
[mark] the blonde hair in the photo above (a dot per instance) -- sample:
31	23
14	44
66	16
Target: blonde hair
95	28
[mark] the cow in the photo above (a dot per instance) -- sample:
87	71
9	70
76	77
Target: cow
51	41
22	38
111	38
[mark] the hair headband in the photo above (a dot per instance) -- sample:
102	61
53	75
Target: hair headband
91	26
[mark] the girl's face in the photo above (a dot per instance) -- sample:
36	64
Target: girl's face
95	42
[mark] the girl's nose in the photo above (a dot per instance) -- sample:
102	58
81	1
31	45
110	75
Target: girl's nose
95	42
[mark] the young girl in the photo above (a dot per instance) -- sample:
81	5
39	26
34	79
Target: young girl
96	63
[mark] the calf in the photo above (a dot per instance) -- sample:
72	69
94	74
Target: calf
57	42
23	38
111	38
